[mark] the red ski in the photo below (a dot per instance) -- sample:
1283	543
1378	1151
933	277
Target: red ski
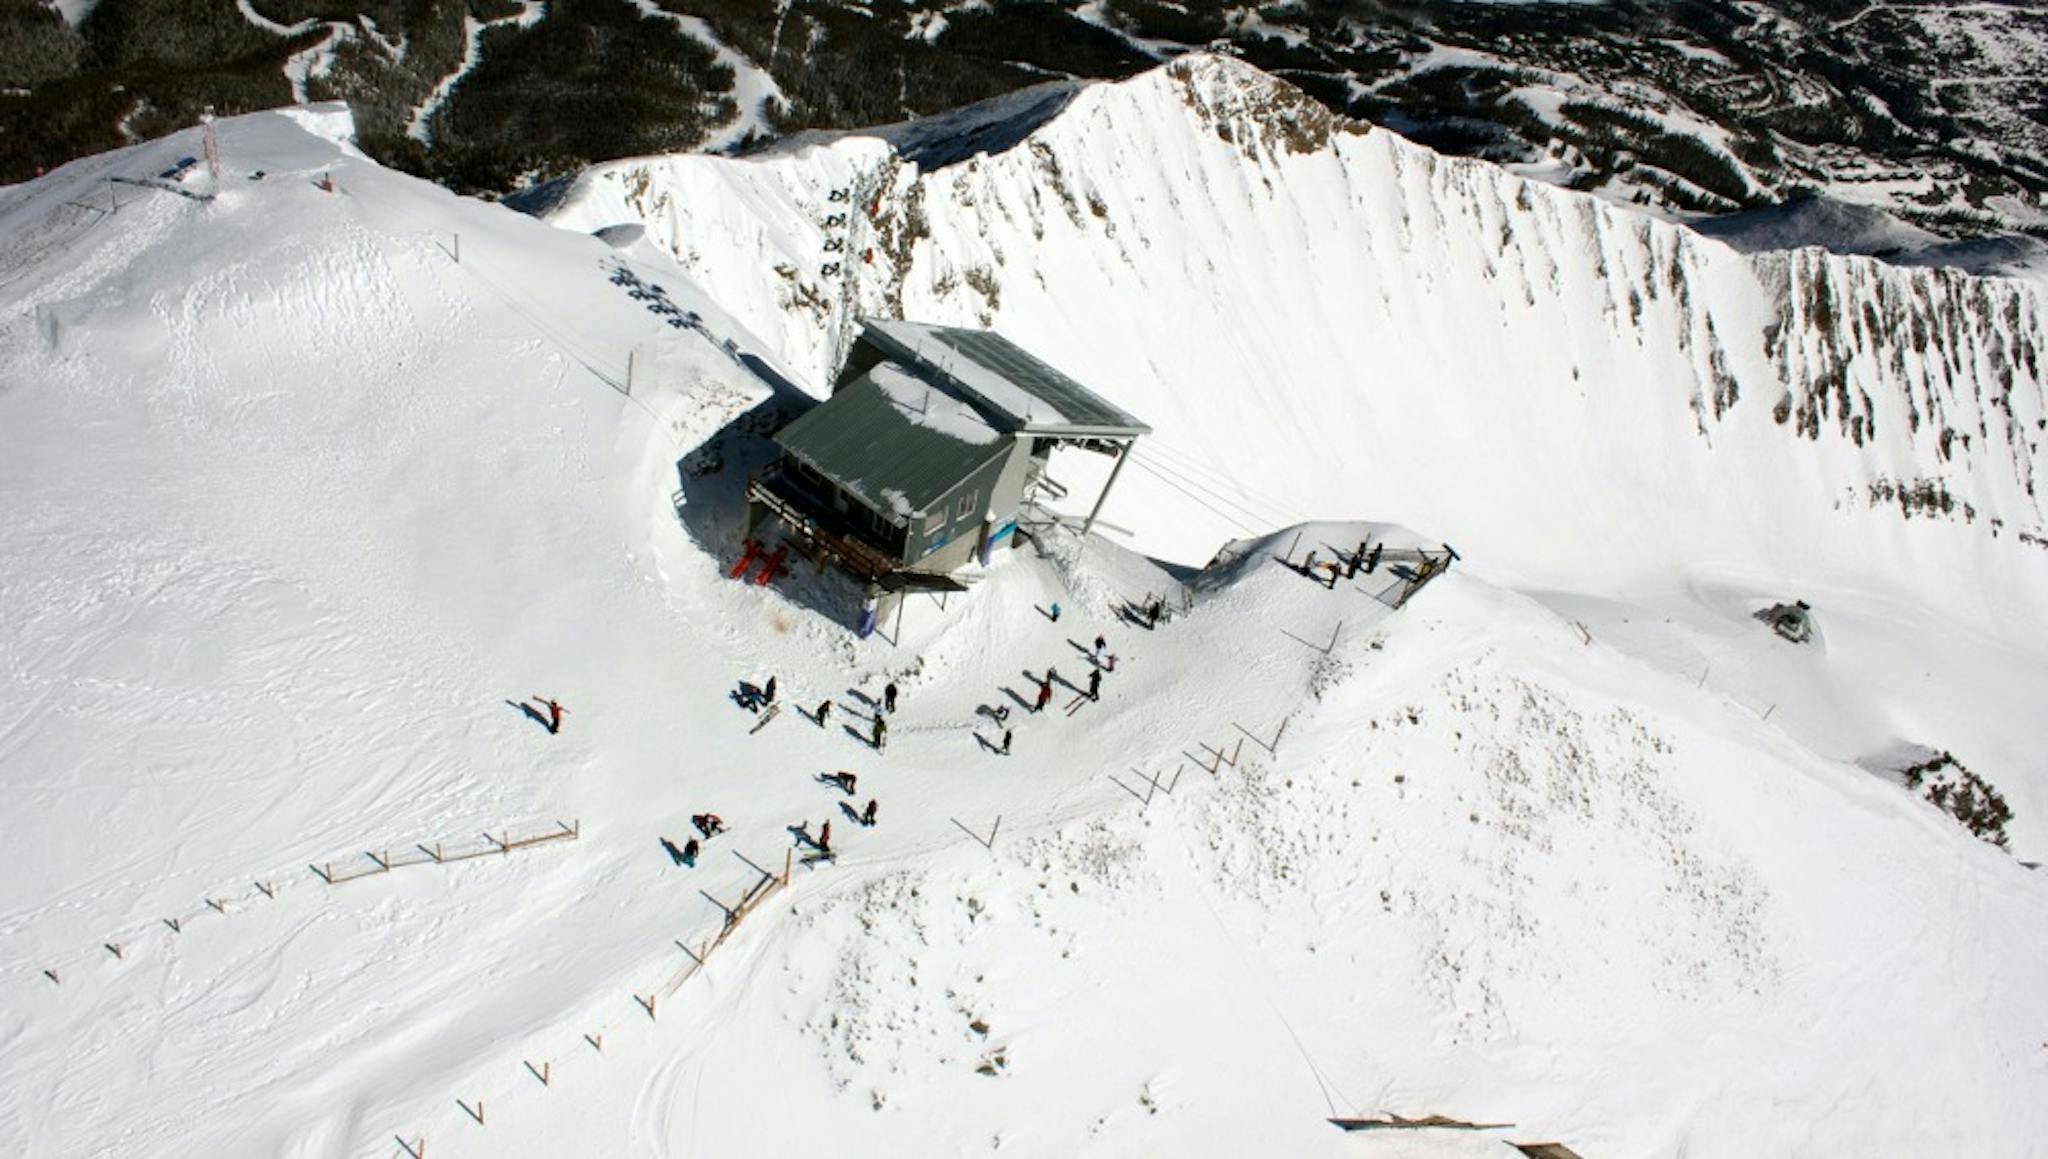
774	568
739	569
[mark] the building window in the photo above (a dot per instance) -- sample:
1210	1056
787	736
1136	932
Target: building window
966	507
838	500
937	520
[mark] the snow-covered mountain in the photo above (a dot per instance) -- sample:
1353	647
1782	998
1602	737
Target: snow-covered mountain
312	477
1206	232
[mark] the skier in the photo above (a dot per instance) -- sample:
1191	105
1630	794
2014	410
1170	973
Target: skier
867	816
709	824
1095	684
845	780
824	709
1109	662
1044	696
1001	712
1100	644
1308	566
881	738
1006	742
1055	613
1335	569
1372	561
768	692
1152	613
889	698
825	838
690	853
555	713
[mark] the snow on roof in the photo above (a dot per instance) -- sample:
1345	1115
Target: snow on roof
894	441
1033	395
934	409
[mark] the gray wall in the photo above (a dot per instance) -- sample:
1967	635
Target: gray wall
995	488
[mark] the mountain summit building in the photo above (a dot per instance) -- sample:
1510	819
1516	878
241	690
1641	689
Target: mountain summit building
923	457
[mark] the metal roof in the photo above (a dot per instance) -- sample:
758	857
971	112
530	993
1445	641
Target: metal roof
1032	395
898	454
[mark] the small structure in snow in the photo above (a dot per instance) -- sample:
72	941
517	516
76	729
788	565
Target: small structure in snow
922	459
1789	620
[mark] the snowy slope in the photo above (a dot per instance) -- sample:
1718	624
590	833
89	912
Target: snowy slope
1321	319
298	501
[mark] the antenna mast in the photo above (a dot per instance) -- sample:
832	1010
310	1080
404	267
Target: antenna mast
212	147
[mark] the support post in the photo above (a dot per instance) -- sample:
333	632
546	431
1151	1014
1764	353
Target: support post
1122	453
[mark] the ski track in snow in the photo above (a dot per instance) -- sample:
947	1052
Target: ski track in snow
1569	840
752	88
530	13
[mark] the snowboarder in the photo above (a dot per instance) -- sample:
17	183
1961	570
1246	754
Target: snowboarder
889	698
1001	712
825	838
709	824
555	713
867	816
1095	684
881	738
768	691
690	853
1044	696
824	710
845	781
1006	742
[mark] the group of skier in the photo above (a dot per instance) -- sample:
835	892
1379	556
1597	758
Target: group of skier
759	698
1344	567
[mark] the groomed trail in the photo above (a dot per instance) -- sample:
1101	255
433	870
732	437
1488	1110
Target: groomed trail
311	483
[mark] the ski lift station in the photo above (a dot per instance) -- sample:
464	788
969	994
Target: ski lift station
933	444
